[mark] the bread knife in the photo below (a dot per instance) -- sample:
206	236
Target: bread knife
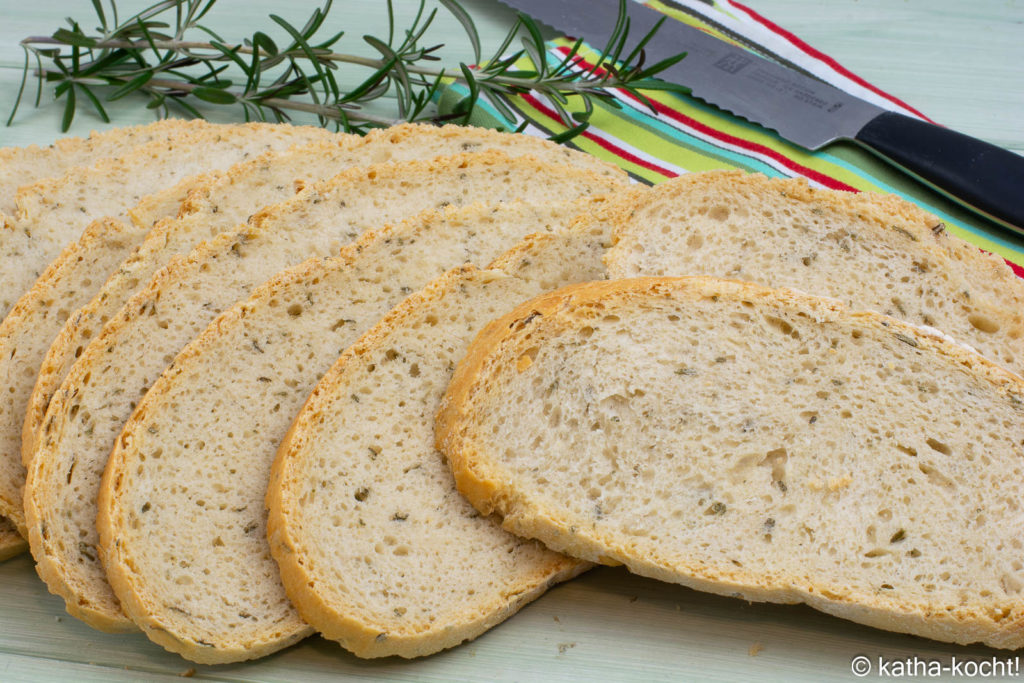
808	112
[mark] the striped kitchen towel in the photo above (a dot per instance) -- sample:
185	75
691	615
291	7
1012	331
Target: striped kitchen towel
684	134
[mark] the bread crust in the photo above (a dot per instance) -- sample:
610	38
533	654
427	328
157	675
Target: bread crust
481	478
335	619
25	166
140	608
21	323
22	166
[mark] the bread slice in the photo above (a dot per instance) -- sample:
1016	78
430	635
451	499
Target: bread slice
273	348
376	548
752	442
21	166
871	251
231	197
114	371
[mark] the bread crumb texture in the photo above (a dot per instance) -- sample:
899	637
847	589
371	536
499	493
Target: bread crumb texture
411	567
65	222
753	442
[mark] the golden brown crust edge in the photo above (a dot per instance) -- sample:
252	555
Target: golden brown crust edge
172	202
48	571
406	130
30	198
139	609
48	568
142	611
136	607
33	428
59	359
485	485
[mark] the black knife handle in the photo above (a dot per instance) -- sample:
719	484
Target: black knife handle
981	176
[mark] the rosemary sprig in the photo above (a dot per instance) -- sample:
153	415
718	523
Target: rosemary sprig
165	54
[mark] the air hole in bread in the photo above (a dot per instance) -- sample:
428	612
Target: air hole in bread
718	213
983	323
775	460
527	358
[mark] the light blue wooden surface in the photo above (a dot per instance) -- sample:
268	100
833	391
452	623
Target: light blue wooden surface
960	62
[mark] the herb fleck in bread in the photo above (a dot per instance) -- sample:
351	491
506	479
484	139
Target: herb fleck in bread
230	198
55	216
752	442
871	251
271	348
377	550
99	394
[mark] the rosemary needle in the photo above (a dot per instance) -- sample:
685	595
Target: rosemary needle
165	55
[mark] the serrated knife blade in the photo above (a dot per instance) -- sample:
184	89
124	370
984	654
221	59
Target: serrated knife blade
803	110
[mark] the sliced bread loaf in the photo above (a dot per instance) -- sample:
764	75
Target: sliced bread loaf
233	196
114	371
376	548
271	348
753	442
21	166
871	251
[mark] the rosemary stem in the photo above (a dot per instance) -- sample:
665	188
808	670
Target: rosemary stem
370	62
270	102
